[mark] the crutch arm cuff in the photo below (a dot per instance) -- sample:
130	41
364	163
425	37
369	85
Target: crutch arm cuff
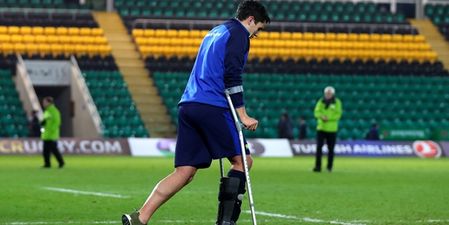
237	100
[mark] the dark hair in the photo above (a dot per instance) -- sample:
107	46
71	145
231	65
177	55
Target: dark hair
249	8
49	99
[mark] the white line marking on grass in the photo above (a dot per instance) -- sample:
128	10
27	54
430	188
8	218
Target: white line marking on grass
101	194
117	222
304	219
435	221
60	222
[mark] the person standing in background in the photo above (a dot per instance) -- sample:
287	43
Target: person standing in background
34	125
328	111
50	132
302	128
373	133
285	127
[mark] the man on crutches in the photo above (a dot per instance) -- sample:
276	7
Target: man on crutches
208	127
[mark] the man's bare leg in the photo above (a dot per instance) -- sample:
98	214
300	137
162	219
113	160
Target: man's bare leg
165	189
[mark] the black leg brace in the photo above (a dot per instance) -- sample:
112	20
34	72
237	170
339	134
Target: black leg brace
232	189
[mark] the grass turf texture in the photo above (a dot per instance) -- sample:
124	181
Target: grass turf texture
359	191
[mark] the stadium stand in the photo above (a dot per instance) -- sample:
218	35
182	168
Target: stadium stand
294	45
295	62
297	11
49	4
59	34
13	118
384	70
406	102
439	14
111	96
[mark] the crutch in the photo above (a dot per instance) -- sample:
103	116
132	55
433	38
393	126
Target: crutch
245	163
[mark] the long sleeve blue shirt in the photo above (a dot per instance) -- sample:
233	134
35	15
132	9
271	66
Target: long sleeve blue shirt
219	65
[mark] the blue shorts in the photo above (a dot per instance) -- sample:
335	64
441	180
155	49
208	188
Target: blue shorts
205	132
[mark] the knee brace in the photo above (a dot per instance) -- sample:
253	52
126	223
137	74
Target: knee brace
230	200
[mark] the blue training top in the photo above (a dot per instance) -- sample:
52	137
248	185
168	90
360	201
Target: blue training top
219	65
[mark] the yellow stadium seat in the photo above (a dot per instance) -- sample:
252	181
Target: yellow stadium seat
140	41
374	37
105	49
358	45
160	33
31	48
61	31
408	38
396	38
69	48
195	34
3	30
353	37
89	40
419	38
43	48
330	36
344	45
49	30
308	36
19	48
319	36
289	44
274	35
386	37
37	30
84	31
263	35
40	39
73	31
13	30
76	40
64	39
56	49
286	35
7	47
100	40
364	37
425	46
4	38
25	30
16	38
205	32
137	32
53	39
28	38
96	32
80	49
149	33
181	34
172	33
93	49
342	37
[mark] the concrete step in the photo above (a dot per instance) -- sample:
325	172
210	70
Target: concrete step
153	110
123	46
118	38
129	63
134	70
120	53
142	90
125	54
157	119
140	84
148	102
138	79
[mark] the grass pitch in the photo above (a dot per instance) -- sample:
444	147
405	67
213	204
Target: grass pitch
360	191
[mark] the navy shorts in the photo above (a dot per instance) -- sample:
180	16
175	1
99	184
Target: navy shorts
205	132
